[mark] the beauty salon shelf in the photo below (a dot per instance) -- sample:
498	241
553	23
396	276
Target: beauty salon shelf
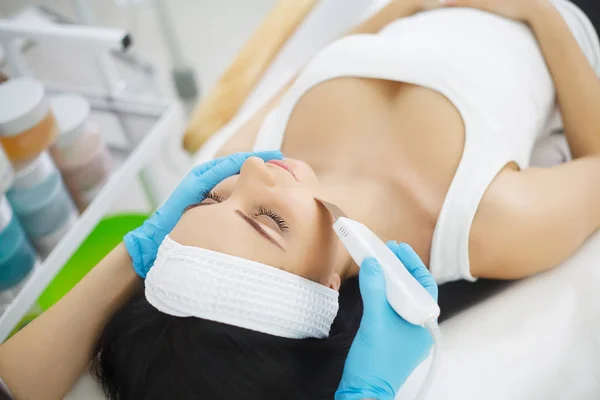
154	121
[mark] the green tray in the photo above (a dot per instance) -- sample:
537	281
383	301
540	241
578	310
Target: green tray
107	234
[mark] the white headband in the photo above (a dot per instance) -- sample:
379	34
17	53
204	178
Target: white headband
188	281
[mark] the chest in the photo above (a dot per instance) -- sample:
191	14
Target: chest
387	150
413	134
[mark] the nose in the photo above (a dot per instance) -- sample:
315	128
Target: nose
255	173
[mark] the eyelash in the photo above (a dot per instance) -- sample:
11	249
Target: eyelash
215	197
261	211
275	217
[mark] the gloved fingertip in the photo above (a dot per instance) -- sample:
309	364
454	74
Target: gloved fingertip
391	243
198	170
133	248
221	171
269	155
370	266
371	281
406	246
409	257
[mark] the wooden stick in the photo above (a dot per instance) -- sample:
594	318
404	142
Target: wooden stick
234	86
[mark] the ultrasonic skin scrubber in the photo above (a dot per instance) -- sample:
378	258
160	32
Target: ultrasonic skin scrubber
404	293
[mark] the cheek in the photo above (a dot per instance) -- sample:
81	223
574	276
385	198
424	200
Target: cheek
319	248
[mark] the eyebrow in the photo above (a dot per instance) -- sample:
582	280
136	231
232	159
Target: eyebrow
258	228
192	206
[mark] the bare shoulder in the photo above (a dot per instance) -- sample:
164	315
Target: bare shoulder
531	220
500	203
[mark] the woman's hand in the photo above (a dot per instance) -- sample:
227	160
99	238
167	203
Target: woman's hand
386	348
143	242
519	10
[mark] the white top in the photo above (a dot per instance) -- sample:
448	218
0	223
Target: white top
489	67
71	113
34	172
22	105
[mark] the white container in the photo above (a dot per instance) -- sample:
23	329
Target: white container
79	152
27	126
6	172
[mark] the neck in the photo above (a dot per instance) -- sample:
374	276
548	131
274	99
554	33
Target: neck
393	208
344	196
345	265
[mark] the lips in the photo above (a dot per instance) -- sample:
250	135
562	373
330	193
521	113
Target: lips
283	165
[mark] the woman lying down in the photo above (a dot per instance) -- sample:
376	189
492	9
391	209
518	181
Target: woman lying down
422	126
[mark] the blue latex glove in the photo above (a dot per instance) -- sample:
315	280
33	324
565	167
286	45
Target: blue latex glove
386	348
143	242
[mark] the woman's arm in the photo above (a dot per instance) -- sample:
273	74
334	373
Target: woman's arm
577	86
45	359
394	10
543	215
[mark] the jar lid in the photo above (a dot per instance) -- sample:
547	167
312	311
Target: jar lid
5	212
33	172
22	105
71	112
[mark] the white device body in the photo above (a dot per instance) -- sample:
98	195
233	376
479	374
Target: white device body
404	293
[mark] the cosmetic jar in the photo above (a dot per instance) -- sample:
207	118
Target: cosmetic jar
42	203
27	126
80	152
17	257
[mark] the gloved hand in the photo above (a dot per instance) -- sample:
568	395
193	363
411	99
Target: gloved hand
386	348
143	242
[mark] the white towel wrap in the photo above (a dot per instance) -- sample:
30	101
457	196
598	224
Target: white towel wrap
188	281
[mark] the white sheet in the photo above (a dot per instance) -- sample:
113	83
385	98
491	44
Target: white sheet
537	339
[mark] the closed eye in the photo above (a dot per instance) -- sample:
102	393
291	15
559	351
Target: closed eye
218	199
275	217
283	226
215	197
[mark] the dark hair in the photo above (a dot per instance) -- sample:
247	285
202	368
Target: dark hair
144	354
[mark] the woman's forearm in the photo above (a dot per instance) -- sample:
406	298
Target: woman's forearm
45	359
577	86
393	11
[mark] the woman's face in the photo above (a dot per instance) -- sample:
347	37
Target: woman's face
267	213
